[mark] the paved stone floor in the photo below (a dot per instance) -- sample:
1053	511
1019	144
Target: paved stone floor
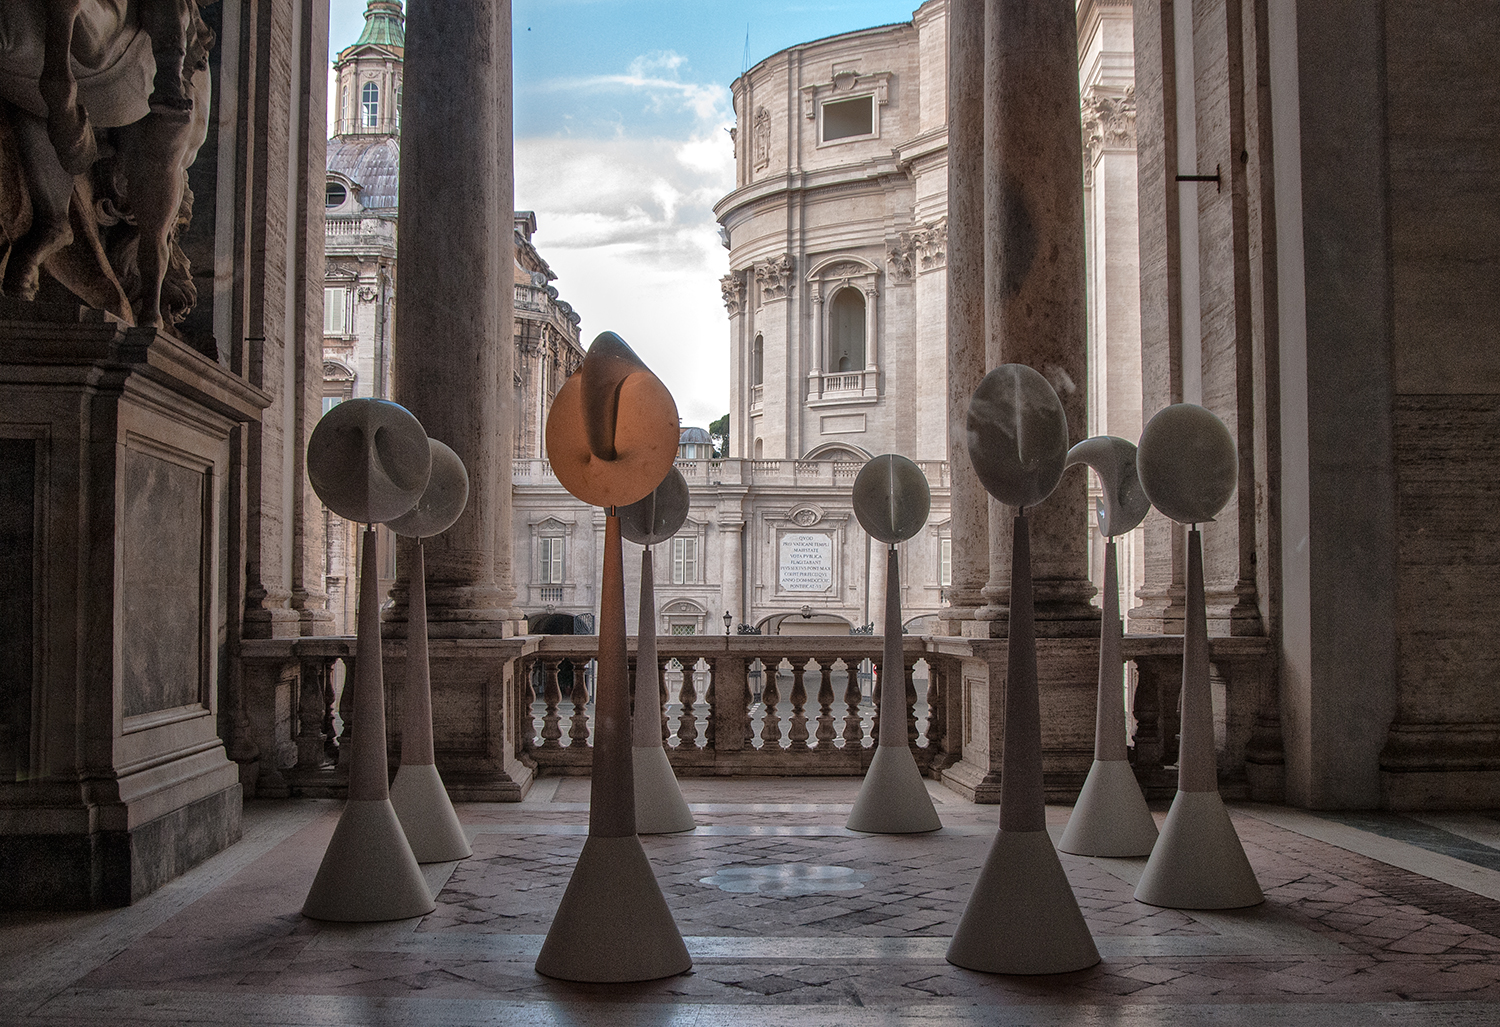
791	920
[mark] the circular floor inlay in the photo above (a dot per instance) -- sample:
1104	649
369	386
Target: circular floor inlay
787	879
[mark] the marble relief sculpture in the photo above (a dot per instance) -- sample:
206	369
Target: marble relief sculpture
104	105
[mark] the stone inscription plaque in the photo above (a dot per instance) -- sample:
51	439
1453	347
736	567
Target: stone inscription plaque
805	562
162	584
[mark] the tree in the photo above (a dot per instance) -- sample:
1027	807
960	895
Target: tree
719	430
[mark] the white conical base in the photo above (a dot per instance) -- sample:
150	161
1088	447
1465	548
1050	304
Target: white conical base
368	872
1110	817
613	924
426	813
893	798
1198	862
1022	917
659	805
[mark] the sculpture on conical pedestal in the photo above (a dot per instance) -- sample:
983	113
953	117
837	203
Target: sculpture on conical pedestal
659	806
612	437
369	461
417	794
1110	817
892	500
1022	917
1189	469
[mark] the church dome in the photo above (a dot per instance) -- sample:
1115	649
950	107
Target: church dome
374	162
694	435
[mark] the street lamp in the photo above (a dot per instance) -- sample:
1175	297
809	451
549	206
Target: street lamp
728	620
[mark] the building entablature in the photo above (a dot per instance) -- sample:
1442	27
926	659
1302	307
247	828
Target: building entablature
738	205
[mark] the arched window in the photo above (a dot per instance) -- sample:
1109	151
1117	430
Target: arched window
846	332
369	108
758	362
760	448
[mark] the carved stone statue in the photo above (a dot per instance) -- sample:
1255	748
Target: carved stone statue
103	107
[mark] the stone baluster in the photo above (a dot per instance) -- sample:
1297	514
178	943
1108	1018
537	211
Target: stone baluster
749	742
937	703
854	731
663	663
798	732
910	666
687	724
551	697
578	730
310	714
825	733
710	724
346	714
770	725
330	736
879	677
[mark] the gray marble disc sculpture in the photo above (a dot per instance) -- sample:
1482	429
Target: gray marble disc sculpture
1018	435
892	500
420	800
656	518
368	460
1188	464
442	501
1022	917
659	805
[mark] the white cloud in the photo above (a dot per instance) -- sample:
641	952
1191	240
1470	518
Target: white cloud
657	76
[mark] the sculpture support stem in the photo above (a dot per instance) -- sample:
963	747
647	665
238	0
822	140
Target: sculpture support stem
1109	720
892	669
646	732
367	773
1196	771
612	808
1022	800
416	711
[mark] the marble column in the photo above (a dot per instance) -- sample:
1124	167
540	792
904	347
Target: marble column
966	367
1035	310
454	346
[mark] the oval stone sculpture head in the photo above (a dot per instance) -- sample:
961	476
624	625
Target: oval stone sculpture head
891	498
1018	435
1187	463
1123	504
612	433
656	518
368	460
443	500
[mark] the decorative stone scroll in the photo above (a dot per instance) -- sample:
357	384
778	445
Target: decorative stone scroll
775	277
732	286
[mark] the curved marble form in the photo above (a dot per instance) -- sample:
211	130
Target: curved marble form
891	498
368	460
657	517
1123	504
443	500
1187	463
1018	435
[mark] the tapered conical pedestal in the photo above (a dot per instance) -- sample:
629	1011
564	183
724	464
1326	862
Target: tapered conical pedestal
368	872
613	924
1022	917
1110	817
659	805
893	798
426	813
1198	862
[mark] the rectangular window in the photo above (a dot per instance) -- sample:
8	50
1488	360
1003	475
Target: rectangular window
685	561
335	311
945	562
552	561
845	119
682	629
329	402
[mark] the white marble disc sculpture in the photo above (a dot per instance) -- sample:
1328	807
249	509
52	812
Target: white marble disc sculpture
892	500
612	437
659	806
420	800
1022	917
1110	817
369	461
1188	466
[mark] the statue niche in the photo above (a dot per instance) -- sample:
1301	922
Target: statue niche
103	107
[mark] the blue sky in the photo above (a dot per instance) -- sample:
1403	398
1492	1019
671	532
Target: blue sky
621	108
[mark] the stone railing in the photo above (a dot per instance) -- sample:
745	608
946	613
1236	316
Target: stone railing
739	471
781	705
